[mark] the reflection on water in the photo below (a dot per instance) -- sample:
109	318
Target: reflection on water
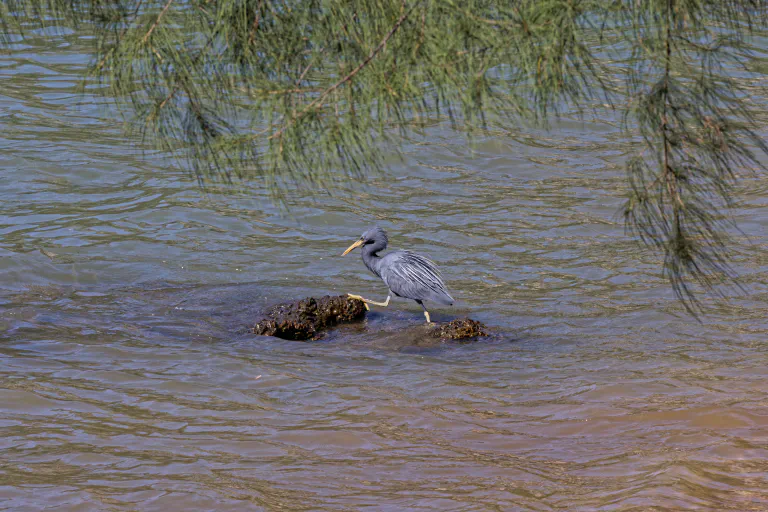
128	379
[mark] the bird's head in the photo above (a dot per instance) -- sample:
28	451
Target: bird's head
371	236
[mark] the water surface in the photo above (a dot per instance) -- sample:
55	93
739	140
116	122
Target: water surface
129	381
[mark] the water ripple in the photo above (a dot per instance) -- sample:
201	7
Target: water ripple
128	379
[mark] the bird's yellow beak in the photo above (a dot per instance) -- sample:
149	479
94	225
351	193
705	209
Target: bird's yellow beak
353	246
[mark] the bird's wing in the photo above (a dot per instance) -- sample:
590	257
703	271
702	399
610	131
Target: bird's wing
413	276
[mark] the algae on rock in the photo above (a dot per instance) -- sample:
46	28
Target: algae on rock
308	318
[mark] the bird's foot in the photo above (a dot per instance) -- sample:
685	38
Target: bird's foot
369	301
358	297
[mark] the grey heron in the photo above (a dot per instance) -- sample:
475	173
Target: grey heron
405	273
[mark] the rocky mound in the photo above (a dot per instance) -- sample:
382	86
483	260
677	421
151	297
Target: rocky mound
459	329
308	318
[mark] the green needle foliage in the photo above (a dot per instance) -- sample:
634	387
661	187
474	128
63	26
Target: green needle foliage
315	92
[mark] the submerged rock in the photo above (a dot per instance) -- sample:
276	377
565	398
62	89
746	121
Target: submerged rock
308	318
459	329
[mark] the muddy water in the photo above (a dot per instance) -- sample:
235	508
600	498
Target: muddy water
128	380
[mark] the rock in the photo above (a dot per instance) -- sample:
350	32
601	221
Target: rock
308	318
459	329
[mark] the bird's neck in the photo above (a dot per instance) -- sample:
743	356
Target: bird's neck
371	257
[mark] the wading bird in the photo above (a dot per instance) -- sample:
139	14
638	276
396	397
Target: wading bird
407	274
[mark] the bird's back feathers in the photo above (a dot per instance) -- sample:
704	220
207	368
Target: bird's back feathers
413	276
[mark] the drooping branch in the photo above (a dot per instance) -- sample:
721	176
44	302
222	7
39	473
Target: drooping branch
695	121
157	22
320	99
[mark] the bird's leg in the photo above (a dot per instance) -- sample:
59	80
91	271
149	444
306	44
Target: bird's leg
368	301
426	313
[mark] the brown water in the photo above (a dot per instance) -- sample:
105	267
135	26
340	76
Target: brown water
128	380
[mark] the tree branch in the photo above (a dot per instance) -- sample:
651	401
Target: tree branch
256	21
157	22
671	188
122	33
346	79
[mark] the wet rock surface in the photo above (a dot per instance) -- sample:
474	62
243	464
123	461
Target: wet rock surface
308	318
464	329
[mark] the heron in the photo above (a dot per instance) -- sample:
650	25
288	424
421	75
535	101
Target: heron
405	273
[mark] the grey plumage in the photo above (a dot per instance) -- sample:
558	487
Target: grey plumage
407	274
413	276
